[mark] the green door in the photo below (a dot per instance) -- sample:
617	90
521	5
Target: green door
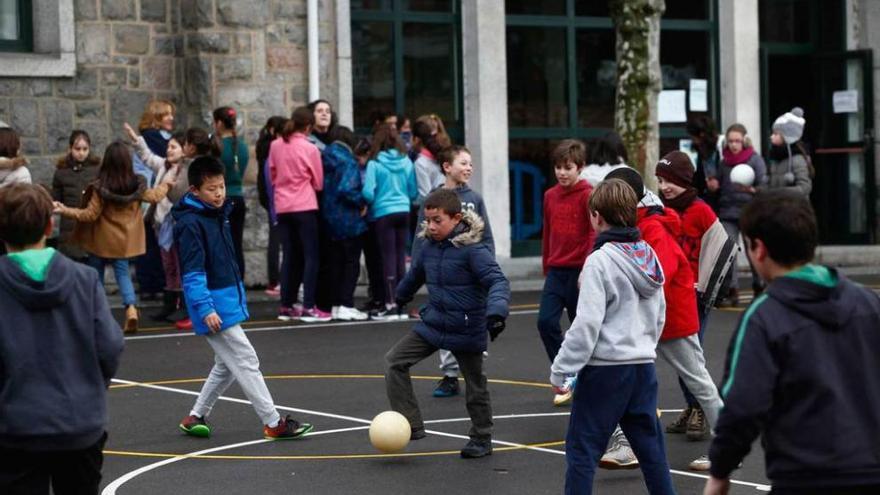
844	188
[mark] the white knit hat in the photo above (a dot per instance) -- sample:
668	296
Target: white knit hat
790	125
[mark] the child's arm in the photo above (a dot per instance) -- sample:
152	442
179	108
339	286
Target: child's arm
545	237
488	239
159	192
150	159
317	169
369	191
484	266
57	187
84	215
108	336
350	184
191	251
412	281
580	339
748	389
411	185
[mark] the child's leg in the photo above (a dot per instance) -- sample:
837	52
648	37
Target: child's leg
703	314
219	379
272	253
448	364
387	249
600	399
373	258
408	351
479	404
123	280
553	301
686	356
286	232
307	228
77	471
234	348
401	234
351	268
642	428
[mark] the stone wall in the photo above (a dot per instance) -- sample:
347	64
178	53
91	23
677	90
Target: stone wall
200	54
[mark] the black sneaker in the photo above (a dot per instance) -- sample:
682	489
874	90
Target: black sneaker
698	426
477	448
389	314
447	387
287	429
417	434
680	425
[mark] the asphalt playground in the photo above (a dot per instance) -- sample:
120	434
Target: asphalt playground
331	375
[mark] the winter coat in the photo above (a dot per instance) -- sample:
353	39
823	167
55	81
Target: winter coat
13	171
341	200
68	186
390	184
296	174
620	311
568	234
731	200
799	179
211	280
695	221
661	229
803	372
465	286
470	201
110	225
59	348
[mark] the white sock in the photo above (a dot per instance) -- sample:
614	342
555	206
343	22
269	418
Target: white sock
274	424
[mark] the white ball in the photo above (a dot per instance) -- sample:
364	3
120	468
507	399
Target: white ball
742	174
389	432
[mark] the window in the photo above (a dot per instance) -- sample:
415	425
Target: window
16	28
406	58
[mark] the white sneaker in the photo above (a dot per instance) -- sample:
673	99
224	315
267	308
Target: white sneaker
334	312
701	463
345	313
619	455
568	385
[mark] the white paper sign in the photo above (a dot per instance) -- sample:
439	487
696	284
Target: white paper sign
846	101
697	100
671	106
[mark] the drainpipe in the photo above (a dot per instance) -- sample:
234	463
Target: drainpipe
314	68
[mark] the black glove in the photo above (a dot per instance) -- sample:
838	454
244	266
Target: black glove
495	325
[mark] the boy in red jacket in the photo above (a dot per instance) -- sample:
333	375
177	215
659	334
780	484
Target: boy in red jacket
679	343
568	237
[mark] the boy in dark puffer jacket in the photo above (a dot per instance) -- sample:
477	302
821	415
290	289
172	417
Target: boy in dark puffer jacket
468	301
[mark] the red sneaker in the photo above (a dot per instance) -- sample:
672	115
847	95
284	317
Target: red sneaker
287	429
184	324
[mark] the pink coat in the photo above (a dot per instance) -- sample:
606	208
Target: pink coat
296	172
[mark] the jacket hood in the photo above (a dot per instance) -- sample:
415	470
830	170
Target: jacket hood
638	261
191	205
667	217
39	296
392	160
577	187
67	162
13	163
815	291
650	199
468	231
113	197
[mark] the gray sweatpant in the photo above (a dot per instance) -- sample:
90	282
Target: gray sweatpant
235	359
685	355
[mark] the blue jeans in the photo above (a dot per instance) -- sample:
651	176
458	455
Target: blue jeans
604	397
123	276
703	315
560	293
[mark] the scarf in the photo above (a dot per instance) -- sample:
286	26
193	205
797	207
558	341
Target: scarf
617	234
733	159
683	200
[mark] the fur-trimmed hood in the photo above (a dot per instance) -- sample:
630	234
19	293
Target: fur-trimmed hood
12	163
112	197
67	162
468	231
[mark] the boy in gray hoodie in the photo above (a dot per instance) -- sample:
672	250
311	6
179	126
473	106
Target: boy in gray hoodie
611	346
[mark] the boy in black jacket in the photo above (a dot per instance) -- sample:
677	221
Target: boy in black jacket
59	348
803	368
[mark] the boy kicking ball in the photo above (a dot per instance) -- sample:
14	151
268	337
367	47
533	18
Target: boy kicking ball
468	301
215	299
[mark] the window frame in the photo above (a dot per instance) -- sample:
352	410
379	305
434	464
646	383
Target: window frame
25	41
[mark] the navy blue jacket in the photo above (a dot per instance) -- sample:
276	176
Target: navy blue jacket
341	200
210	275
470	200
465	285
803	370
59	348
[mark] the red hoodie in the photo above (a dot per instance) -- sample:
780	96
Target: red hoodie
568	233
661	232
695	221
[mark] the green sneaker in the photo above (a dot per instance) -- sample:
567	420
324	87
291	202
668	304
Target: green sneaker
195	426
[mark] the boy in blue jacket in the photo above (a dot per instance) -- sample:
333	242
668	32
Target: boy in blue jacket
803	368
215	299
467	304
59	348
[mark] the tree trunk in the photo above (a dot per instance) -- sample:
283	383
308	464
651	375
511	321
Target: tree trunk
637	30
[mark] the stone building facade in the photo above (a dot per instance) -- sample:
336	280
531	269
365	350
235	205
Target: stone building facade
200	54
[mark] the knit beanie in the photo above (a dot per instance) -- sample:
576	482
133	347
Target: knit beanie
632	177
676	167
790	125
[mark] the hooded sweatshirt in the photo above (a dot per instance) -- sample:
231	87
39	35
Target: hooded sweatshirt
803	371
620	311
389	184
296	173
568	234
59	348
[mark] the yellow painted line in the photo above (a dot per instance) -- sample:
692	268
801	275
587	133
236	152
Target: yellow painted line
329	376
321	457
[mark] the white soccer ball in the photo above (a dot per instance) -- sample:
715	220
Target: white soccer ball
743	175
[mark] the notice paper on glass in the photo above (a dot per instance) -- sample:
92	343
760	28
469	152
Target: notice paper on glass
846	101
671	106
697	101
